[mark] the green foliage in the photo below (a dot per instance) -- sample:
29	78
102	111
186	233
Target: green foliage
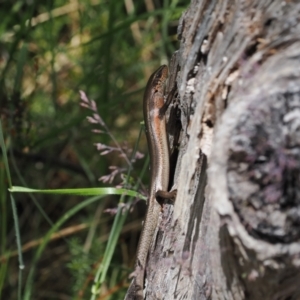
80	265
49	50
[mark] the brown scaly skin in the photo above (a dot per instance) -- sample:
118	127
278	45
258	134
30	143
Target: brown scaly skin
154	117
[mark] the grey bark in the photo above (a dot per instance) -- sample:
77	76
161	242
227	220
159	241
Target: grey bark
233	232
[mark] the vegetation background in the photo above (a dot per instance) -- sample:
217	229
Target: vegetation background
49	51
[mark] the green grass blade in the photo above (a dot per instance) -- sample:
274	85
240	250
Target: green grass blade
109	250
3	273
2	144
80	191
19	246
20	65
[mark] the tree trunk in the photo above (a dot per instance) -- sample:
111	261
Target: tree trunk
233	232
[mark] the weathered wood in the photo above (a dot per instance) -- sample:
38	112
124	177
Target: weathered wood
234	233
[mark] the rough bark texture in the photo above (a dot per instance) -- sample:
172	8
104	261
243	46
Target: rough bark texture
234	230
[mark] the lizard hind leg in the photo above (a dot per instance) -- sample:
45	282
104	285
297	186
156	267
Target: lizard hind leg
162	195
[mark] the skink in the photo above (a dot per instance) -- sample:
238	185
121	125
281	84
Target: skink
155	123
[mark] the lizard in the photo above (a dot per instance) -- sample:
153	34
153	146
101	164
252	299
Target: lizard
154	108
